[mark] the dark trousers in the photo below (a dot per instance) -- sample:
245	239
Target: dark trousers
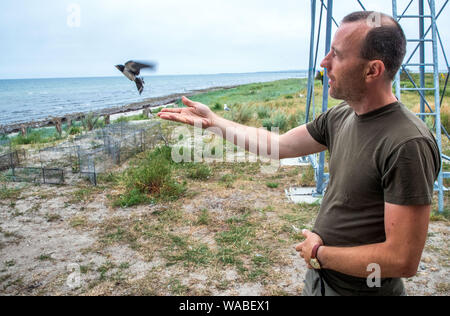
314	286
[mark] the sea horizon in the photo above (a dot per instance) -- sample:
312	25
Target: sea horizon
162	75
29	99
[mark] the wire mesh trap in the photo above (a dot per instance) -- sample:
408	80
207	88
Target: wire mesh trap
82	157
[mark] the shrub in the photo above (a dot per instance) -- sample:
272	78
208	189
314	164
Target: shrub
263	112
74	130
279	120
295	120
138	117
198	171
38	136
151	179
240	114
91	121
445	117
203	219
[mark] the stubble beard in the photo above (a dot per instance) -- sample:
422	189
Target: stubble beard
350	87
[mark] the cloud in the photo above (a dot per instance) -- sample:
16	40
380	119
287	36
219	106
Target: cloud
195	36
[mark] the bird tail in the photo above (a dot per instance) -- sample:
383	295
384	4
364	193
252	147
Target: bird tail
139	85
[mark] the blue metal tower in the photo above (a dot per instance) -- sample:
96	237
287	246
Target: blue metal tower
318	161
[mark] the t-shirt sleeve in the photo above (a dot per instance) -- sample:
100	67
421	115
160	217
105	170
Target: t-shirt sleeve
318	129
410	173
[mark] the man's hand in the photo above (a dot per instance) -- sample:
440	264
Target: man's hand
305	247
196	113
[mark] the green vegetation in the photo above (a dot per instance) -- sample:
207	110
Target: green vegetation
278	120
444	216
240	113
204	217
139	117
7	192
238	228
78	221
429	82
37	136
256	92
45	257
150	179
74	130
198	171
272	185
92	121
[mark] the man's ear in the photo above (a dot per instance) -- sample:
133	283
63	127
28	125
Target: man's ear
375	70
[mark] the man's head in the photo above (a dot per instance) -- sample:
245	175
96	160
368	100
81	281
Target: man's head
368	48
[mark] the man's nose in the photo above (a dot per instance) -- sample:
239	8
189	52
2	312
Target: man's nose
325	62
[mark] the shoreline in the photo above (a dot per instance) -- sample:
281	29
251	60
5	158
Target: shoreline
132	107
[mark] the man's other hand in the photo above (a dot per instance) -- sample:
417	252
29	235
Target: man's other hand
305	247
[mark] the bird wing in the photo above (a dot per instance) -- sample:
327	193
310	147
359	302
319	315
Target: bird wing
135	67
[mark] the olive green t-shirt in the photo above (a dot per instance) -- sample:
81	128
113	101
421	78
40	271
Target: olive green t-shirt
387	155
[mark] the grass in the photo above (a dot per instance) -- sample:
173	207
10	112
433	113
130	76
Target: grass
225	217
36	136
45	257
429	82
228	180
272	185
52	217
204	217
189	254
78	221
241	239
256	92
151	179
138	117
9	193
277	120
197	171
240	113
440	217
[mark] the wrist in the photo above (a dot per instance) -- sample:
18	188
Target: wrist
314	261
320	255
216	120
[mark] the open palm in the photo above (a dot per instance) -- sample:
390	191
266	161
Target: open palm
195	113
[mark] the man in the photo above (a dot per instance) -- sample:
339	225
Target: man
383	163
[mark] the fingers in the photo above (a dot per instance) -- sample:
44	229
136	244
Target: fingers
306	233
173	117
299	247
187	102
182	119
171	110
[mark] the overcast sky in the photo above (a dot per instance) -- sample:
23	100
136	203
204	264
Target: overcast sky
79	38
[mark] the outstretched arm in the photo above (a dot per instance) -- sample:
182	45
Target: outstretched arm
297	142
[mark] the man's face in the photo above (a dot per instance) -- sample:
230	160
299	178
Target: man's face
345	67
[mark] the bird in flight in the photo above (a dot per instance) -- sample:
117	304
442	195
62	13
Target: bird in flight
132	69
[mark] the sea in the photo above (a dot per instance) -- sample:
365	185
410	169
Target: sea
25	100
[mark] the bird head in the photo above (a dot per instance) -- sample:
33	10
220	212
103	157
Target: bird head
120	67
